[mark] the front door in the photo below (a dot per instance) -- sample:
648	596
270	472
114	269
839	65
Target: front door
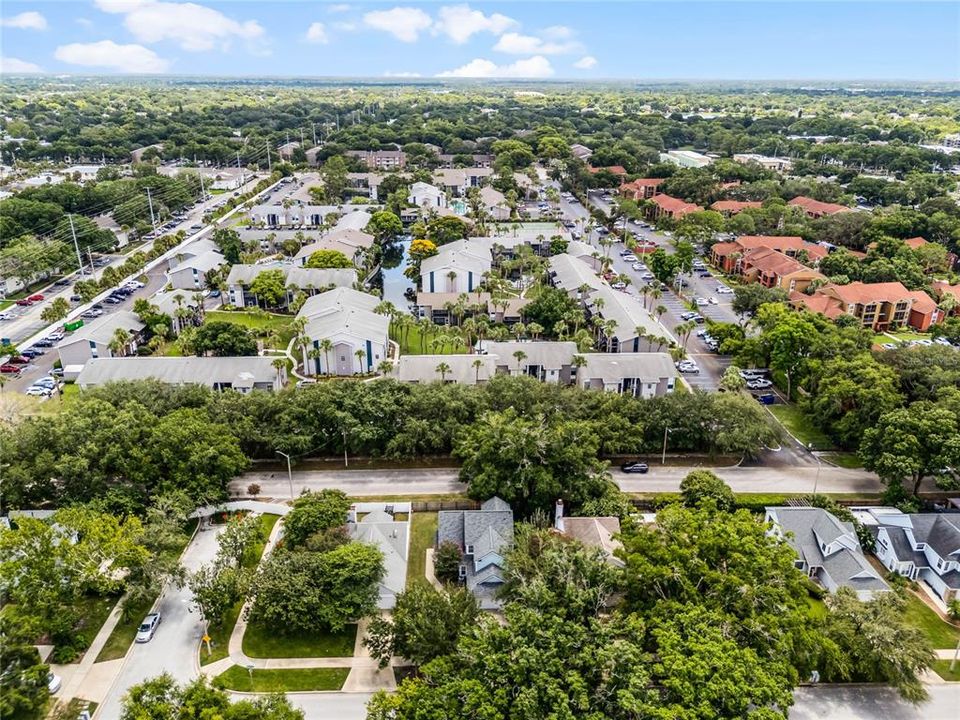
345	358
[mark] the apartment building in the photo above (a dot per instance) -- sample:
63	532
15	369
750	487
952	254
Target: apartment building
878	306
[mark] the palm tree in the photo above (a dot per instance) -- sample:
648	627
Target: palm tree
360	354
313	354
119	342
325	346
443	369
385	367
535	329
644	291
578	362
661	309
279	364
477	364
520	355
519	329
559	329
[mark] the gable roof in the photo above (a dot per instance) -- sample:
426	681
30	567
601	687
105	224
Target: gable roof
102	328
815	206
734	206
209	371
551	355
613	367
674	205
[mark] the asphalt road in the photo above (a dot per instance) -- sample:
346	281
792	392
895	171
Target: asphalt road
872	703
175	643
439	481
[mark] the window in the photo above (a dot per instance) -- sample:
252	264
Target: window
469	550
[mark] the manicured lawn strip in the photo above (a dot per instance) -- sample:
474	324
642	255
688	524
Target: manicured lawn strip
125	631
423	530
851	461
282	680
801	426
4	304
942	668
410	343
941	634
255	321
267	642
220	634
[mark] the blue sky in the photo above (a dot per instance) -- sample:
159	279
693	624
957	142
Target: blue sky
587	40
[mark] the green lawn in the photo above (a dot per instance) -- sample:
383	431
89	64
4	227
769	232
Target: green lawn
817	609
941	634
291	680
261	322
411	344
942	668
4	304
267	642
901	336
851	461
801	426
220	634
423	530
125	630
94	611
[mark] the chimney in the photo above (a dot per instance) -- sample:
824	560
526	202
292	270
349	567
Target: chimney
352	515
558	522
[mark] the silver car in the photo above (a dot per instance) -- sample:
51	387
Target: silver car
148	627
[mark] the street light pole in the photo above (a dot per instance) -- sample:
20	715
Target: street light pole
816	480
289	471
346	462
666	431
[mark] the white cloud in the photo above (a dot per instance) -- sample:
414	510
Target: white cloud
85	22
517	44
135	59
26	21
534	67
317	33
558	32
404	23
16	66
338	8
586	62
194	27
460	23
402	74
345	26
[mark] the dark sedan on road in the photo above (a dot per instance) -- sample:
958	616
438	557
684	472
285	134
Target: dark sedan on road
635	467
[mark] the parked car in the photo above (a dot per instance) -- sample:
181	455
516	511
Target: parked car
32	352
688	366
619	286
8	369
62	281
713	301
890	346
635	467
754	373
767	398
6	316
19	360
76	298
55	336
724	290
630	258
701	301
24	302
36	298
759	384
699	319
39	391
687	315
148	627
53	683
647	276
57	372
45	343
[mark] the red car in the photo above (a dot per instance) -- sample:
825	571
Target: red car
25	301
18	360
10	369
36	298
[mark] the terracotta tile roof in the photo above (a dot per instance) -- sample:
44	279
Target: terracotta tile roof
944	288
815	206
915	242
865	293
771	261
823	304
922	303
726	248
734	206
640	183
782	243
615	169
674	205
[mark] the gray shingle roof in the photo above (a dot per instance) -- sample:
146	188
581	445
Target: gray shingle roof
209	371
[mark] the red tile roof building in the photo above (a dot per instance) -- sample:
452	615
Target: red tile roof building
641	189
672	207
878	306
615	169
773	269
815	208
943	290
725	255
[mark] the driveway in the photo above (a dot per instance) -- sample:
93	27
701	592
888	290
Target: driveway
873	703
174	646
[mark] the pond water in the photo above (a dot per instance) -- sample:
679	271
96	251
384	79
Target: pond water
395	283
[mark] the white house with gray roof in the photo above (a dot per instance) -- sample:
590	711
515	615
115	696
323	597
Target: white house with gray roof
919	546
643	375
570	274
93	340
376	524
461	369
827	549
483	536
628	322
547	361
359	336
191	273
309	280
425	195
243	374
458	267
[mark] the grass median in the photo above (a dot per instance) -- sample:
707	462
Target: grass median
282	680
260	641
942	668
801	426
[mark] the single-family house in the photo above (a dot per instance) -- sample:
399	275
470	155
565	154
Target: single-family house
377	524
595	533
309	280
547	361
346	336
483	536
827	549
639	374
243	374
494	204
94	340
919	546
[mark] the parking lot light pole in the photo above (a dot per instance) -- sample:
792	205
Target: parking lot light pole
666	432
289	471
816	480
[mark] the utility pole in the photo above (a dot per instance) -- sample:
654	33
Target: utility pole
153	220
76	246
240	168
289	471
301	137
313	126
203	190
269	164
93	272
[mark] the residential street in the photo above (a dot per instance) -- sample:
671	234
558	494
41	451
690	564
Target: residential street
756	479
873	703
173	648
